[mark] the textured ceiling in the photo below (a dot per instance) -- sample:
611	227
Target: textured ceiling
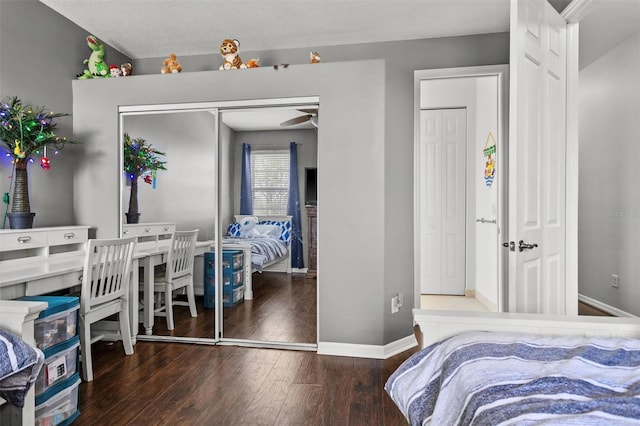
150	28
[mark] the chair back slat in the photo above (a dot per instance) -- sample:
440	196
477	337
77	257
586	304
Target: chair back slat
107	271
180	258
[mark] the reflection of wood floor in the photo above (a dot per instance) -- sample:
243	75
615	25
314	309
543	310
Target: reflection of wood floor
283	309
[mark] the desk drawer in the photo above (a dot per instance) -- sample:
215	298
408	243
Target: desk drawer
23	240
69	236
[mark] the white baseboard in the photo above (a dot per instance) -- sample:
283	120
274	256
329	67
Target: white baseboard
486	302
611	310
367	351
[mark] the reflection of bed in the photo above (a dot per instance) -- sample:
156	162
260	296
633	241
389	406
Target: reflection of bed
496	368
269	252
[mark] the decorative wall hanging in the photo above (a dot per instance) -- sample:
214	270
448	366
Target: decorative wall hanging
489	152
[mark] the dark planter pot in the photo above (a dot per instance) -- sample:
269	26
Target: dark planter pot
133	217
20	220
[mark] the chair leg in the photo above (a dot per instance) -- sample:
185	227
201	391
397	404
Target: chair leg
168	306
85	350
191	297
125	328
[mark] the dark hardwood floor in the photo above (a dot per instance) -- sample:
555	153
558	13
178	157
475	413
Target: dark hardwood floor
191	384
283	309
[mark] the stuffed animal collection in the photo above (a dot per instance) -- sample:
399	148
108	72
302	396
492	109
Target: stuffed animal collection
171	65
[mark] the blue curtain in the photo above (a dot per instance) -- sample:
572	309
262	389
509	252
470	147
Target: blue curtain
246	199
293	209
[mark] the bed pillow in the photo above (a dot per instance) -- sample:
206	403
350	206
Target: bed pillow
284	228
234	230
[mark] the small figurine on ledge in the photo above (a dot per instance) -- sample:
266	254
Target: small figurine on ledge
229	51
126	69
314	58
171	65
253	63
97	68
114	71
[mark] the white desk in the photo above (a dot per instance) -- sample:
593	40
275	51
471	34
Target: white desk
155	253
60	273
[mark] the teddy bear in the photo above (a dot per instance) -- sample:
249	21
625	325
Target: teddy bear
171	65
229	51
248	227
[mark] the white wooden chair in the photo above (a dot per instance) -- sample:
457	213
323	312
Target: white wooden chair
105	291
178	275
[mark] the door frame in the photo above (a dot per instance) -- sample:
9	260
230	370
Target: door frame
501	72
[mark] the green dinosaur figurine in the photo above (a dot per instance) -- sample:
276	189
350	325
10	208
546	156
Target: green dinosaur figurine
97	67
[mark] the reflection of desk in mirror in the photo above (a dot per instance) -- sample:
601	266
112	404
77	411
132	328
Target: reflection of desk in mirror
149	232
155	253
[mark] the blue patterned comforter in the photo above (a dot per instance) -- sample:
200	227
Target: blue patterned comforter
486	378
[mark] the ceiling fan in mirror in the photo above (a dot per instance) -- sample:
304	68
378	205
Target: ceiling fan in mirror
310	115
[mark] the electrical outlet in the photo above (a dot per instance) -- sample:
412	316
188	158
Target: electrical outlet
615	281
394	304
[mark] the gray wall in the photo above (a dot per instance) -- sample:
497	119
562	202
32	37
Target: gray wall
40	54
609	205
350	292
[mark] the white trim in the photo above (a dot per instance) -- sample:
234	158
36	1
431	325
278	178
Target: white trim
367	351
205	106
572	171
436	325
577	10
611	310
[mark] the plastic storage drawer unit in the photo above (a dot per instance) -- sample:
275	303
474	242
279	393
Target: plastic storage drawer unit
58	322
60	363
58	405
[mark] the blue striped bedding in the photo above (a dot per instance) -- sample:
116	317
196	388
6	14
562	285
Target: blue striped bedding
492	378
264	250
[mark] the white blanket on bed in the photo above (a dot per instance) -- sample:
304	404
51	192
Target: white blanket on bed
487	378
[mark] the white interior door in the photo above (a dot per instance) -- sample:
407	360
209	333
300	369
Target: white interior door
443	136
537	137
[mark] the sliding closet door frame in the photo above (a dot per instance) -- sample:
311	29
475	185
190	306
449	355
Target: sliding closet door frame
215	108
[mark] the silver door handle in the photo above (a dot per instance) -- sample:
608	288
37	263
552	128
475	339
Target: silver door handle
522	245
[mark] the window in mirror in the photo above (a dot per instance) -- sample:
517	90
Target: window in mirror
270	182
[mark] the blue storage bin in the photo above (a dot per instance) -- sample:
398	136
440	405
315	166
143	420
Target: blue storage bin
232	278
61	362
59	404
56	324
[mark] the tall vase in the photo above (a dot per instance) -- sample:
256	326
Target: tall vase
21	216
133	216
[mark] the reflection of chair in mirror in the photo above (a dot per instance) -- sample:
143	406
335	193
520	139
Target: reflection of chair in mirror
105	291
178	275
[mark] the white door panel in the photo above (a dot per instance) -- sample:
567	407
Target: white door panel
442	203
537	157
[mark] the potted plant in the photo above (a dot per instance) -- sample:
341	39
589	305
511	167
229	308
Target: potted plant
25	131
139	159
